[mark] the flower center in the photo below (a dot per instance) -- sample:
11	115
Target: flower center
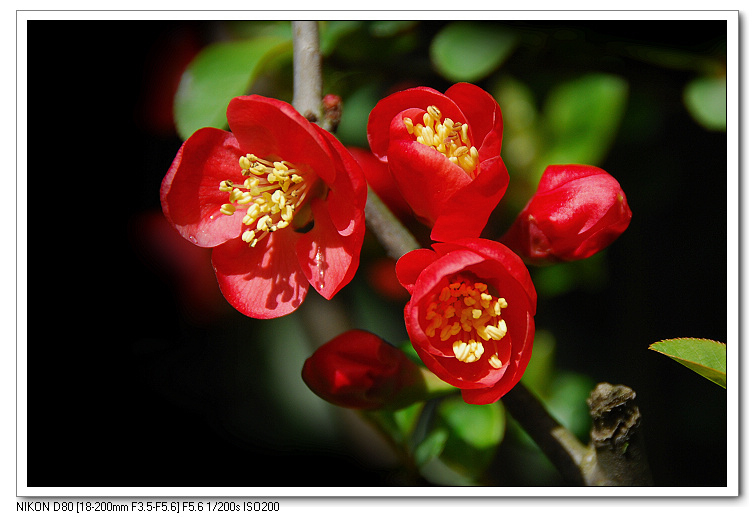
447	137
467	310
272	193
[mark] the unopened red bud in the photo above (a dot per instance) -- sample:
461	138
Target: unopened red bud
332	110
359	370
576	212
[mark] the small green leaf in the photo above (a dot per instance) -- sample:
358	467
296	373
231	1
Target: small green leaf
400	424
705	99
581	119
469	51
704	356
431	446
219	73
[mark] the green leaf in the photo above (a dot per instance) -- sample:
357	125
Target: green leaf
400	424
705	99
431	446
469	51
704	356
352	131
474	434
581	118
219	73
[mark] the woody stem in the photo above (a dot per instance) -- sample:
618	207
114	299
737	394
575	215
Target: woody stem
307	70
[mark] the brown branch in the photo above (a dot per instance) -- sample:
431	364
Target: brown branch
560	446
307	70
393	235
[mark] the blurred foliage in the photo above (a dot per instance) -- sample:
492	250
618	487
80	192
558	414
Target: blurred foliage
469	51
705	98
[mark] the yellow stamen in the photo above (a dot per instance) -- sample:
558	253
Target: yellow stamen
467	310
447	137
273	192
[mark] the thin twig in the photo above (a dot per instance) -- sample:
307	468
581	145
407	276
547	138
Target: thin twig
307	70
393	235
559	445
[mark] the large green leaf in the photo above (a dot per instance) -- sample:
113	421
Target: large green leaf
469	51
581	118
704	356
220	72
472	434
705	98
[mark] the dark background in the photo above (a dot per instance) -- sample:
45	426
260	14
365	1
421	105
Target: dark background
136	380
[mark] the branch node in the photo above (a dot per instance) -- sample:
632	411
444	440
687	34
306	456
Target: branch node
616	438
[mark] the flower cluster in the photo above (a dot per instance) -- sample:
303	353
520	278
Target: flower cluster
281	202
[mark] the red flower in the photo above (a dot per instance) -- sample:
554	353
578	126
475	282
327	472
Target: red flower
279	199
576	211
470	316
359	370
444	152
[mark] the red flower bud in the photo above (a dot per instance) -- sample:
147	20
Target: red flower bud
576	212
359	370
470	316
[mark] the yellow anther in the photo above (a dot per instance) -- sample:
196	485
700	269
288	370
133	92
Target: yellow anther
226	186
468	352
447	137
495	361
244	162
468	310
495	332
247	236
227	209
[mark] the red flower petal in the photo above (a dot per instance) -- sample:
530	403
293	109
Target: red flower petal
411	265
483	116
425	177
382	115
328	259
189	192
465	213
271	128
264	281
